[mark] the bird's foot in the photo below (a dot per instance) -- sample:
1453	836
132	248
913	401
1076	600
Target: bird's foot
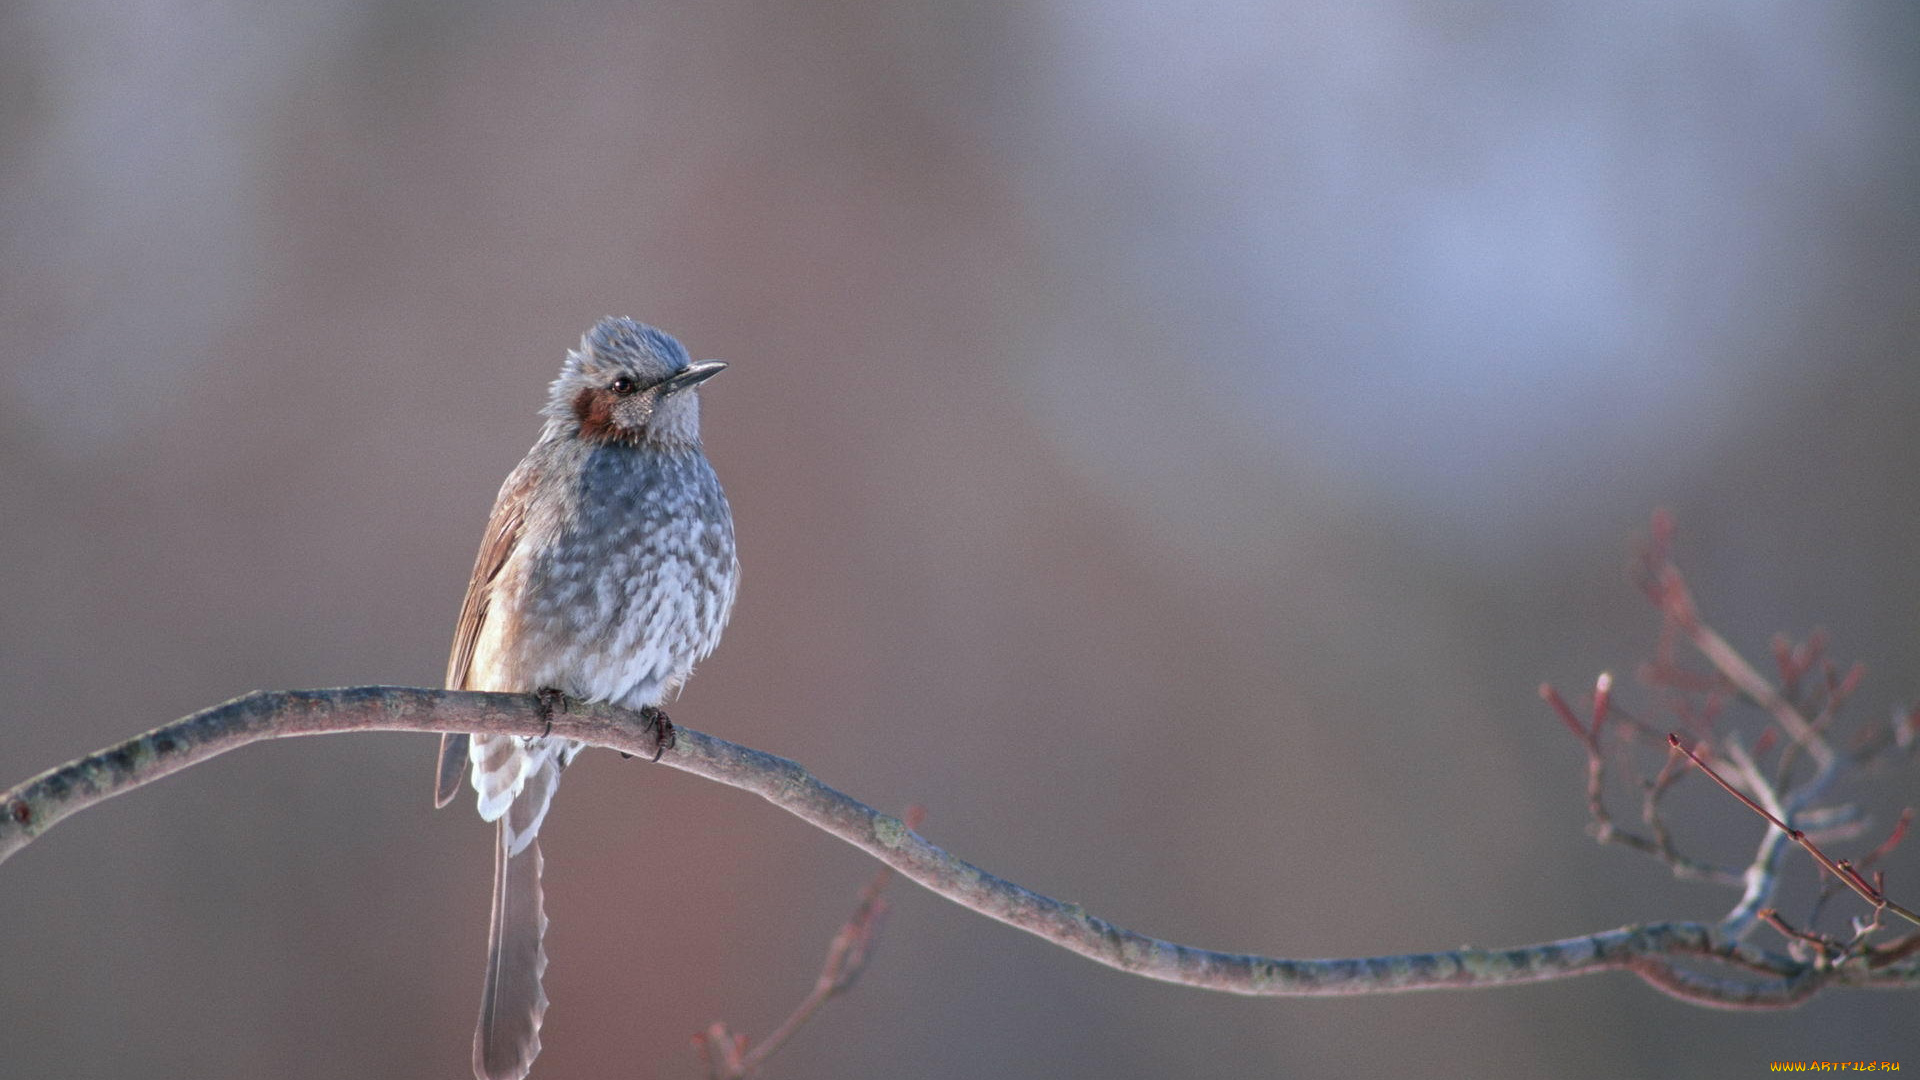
662	729
548	700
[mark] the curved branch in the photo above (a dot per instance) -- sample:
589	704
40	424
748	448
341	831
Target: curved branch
33	807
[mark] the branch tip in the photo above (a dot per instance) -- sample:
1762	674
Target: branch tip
1559	706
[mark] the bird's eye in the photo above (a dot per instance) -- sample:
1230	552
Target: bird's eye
622	386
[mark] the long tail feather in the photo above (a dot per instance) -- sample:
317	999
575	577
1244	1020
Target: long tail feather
513	1003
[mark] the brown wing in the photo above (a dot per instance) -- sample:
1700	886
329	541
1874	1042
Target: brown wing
496	547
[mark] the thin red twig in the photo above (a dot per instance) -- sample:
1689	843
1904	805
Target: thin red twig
1842	869
728	1056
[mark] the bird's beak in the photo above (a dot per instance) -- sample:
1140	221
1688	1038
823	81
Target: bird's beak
694	375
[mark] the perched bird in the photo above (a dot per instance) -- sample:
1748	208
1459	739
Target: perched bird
606	572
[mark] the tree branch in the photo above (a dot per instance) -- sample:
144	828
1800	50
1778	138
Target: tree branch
1790	803
1647	950
1842	870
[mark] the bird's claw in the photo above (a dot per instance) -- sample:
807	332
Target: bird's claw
662	729
548	699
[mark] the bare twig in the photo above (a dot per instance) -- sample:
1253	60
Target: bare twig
1893	839
1822	947
726	1053
1842	869
1603	826
1668	590
1760	774
31	808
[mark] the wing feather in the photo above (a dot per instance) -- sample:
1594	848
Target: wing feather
496	548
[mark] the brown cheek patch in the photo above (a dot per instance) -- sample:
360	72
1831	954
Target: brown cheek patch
594	409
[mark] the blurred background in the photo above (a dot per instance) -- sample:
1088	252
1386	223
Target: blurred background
1170	442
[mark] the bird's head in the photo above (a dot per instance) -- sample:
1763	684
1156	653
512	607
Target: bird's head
631	384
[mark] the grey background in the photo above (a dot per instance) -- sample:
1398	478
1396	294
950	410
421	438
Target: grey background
1169	442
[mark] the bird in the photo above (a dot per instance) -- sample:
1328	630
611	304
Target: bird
606	572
